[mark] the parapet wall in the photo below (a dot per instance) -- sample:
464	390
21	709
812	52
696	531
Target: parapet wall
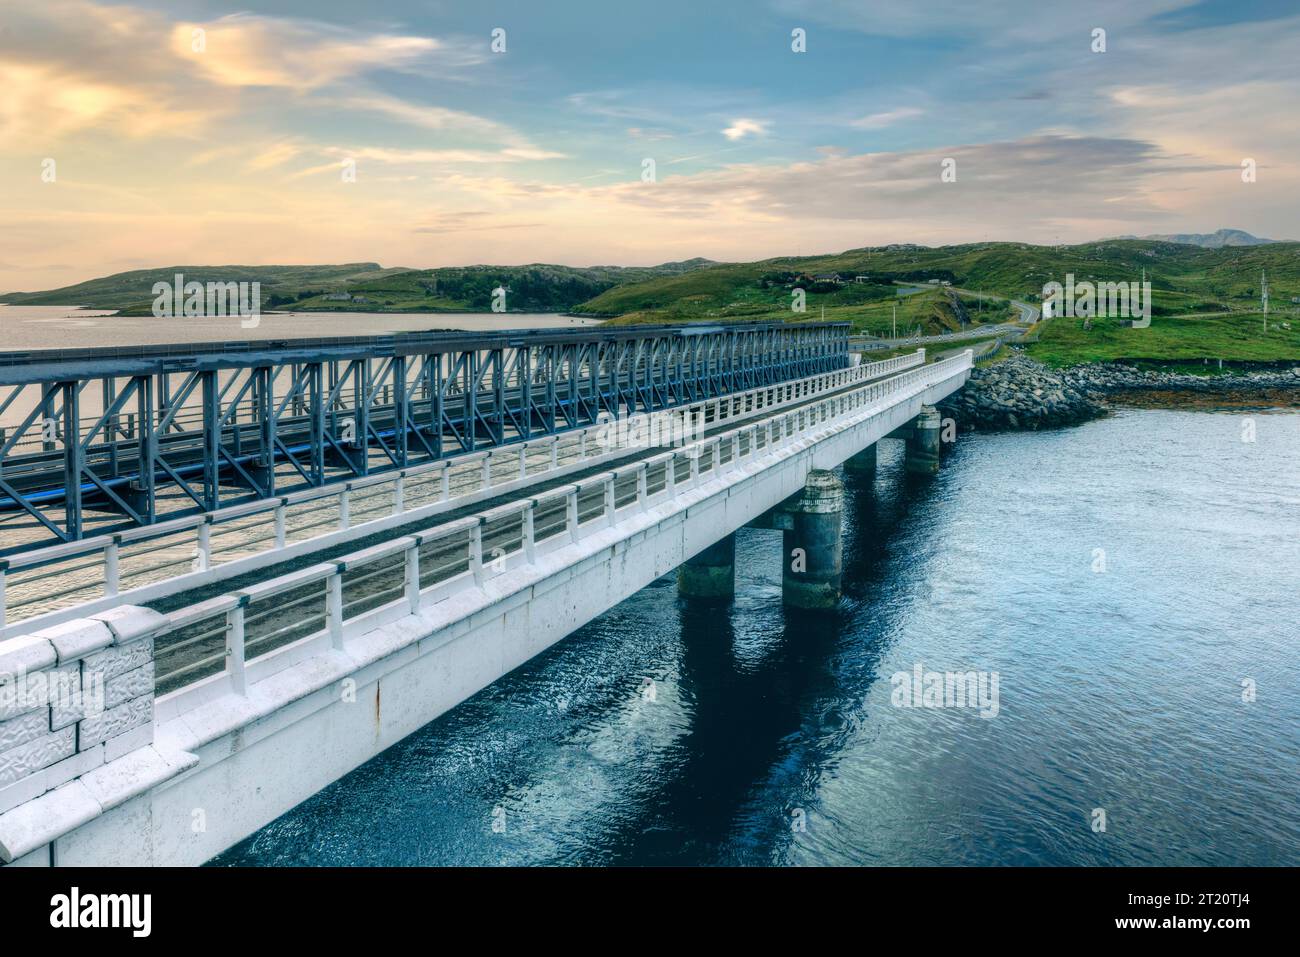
76	700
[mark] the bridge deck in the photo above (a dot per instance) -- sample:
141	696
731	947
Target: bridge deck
148	565
269	692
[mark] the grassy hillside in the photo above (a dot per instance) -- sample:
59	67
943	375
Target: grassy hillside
368	287
532	288
932	311
1184	279
132	292
1235	338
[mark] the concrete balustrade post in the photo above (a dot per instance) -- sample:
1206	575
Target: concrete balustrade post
112	573
399	494
334	608
235	647
279	524
204	544
444	481
922	454
529	532
812	562
487	471
476	552
571	512
345	508
710	574
412	578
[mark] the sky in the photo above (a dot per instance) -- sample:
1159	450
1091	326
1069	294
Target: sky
421	133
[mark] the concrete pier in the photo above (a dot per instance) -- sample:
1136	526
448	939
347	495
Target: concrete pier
711	574
922	455
864	463
813	558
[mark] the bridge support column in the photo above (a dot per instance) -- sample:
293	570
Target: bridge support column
712	573
813	559
922	455
864	463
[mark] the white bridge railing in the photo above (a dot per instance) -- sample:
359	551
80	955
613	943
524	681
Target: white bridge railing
221	645
60	582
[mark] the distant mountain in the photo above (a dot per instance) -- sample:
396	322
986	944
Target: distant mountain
1215	240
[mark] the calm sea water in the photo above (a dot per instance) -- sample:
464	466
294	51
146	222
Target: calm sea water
61	327
1119	690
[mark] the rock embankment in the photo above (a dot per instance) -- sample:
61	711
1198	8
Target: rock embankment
1019	393
1108	378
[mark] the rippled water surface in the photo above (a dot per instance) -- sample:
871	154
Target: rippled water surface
1119	690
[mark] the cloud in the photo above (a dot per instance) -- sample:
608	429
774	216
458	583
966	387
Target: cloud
1028	182
244	50
274	155
743	127
396	156
878	121
70	65
427	116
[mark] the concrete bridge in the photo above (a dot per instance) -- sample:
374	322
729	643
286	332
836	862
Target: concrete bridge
221	668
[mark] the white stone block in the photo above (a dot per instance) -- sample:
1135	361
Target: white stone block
133	684
26	653
22	791
36	823
37	858
26	759
114	721
68	769
122	779
129	623
77	638
68	703
22	729
138	737
119	659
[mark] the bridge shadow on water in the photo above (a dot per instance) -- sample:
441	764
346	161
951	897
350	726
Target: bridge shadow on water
755	704
775	693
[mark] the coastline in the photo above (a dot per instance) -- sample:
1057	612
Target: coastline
1019	393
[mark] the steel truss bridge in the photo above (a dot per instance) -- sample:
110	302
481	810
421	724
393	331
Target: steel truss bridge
96	440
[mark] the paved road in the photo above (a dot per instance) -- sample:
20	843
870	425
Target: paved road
1029	314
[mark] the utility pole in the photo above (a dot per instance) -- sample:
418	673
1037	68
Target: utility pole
1263	293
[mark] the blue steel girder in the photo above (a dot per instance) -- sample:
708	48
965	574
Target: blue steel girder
90	440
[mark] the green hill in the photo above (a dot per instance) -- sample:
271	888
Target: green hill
533	288
368	287
1184	279
132	292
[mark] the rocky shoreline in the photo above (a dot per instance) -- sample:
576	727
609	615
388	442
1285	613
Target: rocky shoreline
1020	393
